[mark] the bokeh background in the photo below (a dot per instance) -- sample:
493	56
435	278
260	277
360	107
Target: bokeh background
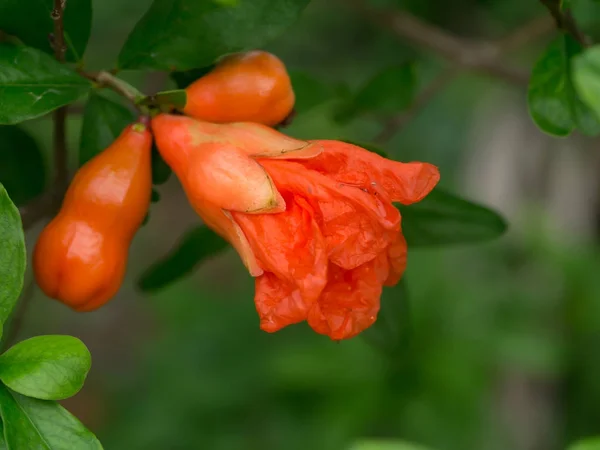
500	340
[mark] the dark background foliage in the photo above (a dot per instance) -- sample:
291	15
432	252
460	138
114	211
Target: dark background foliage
486	347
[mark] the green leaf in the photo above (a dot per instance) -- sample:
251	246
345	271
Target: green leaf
103	122
155	196
12	255
46	367
552	99
376	444
194	247
184	79
310	91
32	84
2	441
443	218
390	331
176	98
32	424
566	4
586	444
185	34
586	76
22	166
390	91
31	22
160	170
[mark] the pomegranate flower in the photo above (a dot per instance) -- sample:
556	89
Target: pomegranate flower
313	221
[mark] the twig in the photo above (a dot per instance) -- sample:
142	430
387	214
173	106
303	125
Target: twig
527	33
60	115
391	127
17	318
37	209
476	56
564	21
45	204
42	206
61	160
462	54
108	80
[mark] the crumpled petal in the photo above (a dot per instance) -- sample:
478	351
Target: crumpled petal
356	225
396	254
278	303
290	246
350	302
405	183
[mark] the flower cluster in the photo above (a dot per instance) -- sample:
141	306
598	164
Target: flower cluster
313	221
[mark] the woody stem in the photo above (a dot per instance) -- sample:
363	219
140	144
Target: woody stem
121	87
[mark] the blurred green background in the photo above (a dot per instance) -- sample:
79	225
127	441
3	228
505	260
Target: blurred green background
500	341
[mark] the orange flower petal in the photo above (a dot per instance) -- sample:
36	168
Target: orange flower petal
356	225
290	246
253	139
278	303
346	163
260	141
223	224
396	254
230	179
350	302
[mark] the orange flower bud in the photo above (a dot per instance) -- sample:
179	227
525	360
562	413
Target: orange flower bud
252	86
81	254
241	184
333	240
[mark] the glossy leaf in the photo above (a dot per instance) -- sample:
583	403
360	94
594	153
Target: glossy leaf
185	78
103	122
310	91
161	172
553	101
390	91
31	22
377	444
12	255
390	331
33	83
2	440
443	218
176	99
586	444
586	76
194	247
46	367
185	34
22	166
32	424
